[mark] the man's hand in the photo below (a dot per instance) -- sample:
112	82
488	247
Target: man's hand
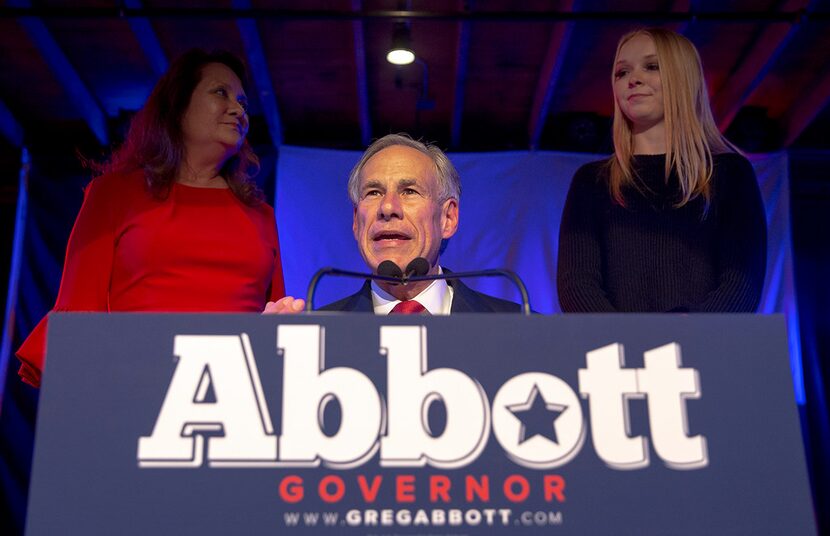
284	306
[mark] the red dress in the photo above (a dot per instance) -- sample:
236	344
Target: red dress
201	249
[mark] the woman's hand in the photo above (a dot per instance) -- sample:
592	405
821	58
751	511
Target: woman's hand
284	306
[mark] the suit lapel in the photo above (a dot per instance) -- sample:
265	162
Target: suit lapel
464	300
361	301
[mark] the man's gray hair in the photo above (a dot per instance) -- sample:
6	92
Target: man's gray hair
449	183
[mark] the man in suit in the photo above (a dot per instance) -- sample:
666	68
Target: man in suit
405	195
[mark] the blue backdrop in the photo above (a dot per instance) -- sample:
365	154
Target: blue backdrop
511	204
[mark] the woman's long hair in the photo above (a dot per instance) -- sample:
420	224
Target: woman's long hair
155	142
691	134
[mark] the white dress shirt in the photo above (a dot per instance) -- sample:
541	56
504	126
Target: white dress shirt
436	298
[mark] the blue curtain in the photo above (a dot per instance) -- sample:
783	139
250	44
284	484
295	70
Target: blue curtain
511	203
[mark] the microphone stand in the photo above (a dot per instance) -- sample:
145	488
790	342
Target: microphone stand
403	280
492	272
329	270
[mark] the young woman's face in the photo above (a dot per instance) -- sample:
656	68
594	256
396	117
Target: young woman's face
638	87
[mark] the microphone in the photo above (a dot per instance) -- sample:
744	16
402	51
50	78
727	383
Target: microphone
390	269
417	269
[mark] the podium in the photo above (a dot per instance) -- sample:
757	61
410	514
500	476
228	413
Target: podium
469	424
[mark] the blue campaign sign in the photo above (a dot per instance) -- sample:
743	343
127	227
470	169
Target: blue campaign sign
356	424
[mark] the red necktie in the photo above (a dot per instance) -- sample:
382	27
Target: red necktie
408	307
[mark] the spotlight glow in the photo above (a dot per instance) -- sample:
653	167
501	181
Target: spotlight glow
400	56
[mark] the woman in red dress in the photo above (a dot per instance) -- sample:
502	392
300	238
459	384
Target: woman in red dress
175	222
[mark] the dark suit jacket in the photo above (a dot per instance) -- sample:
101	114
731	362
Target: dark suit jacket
464	300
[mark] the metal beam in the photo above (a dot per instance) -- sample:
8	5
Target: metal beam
66	74
807	107
260	73
752	67
14	269
560	36
147	39
9	10
361	78
462	52
683	6
9	127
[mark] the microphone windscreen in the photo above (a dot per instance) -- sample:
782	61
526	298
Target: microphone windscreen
418	267
389	269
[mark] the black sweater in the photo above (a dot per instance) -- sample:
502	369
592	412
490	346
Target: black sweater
651	257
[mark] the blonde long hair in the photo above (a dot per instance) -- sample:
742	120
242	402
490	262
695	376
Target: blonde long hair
691	134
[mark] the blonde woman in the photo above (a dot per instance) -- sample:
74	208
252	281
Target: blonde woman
673	221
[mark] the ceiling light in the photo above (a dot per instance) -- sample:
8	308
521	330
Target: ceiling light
400	53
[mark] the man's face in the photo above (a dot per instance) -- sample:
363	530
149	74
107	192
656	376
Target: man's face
398	216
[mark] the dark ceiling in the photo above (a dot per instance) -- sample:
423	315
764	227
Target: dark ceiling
492	74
